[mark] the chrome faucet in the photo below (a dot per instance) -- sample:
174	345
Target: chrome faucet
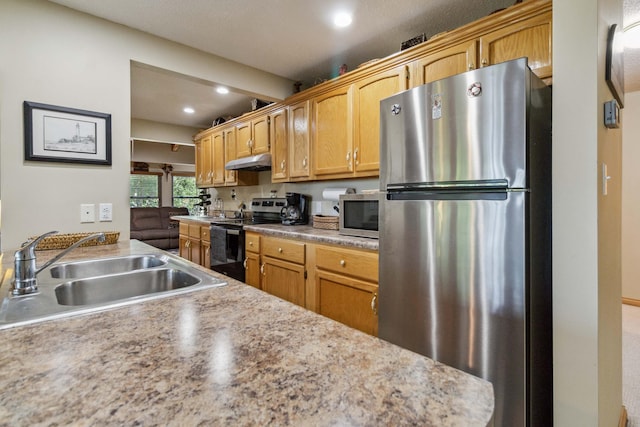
25	281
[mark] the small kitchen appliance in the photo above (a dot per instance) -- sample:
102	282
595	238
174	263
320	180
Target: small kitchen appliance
296	212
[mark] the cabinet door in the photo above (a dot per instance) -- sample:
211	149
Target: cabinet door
531	38
260	135
217	159
205	254
444	63
207	168
195	254
332	133
199	166
283	279
366	112
230	177
349	301
184	247
243	139
279	146
252	269
299	140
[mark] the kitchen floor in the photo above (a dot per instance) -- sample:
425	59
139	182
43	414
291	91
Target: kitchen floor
631	363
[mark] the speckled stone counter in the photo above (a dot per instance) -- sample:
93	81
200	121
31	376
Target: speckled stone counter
301	232
224	356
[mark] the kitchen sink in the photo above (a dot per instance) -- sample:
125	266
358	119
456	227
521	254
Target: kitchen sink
99	267
103	289
87	286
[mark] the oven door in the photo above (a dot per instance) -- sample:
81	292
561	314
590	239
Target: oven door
227	250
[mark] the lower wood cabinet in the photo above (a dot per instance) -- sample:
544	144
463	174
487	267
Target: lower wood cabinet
347	286
195	243
283	269
252	260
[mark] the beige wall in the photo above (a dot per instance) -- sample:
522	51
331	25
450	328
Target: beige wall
631	197
586	224
54	55
147	130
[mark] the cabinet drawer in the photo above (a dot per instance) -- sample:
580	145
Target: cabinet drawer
194	231
283	249
360	264
184	228
205	233
252	242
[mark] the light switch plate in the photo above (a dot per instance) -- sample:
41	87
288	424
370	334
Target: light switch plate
87	213
106	212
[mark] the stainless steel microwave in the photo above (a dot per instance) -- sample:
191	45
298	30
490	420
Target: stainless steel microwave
359	214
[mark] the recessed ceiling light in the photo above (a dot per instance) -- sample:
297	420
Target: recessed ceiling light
222	90
342	19
188	110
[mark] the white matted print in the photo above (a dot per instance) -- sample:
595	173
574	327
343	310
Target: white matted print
61	134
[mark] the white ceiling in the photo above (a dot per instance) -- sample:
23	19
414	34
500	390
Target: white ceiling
294	39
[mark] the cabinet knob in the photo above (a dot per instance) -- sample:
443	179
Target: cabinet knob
280	250
262	269
282	165
343	262
355	156
348	156
484	62
244	263
250	243
304	162
470	65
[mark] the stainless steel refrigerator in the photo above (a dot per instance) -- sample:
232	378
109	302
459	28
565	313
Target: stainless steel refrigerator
465	231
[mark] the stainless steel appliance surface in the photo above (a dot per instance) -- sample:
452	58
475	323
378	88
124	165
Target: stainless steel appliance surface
465	231
227	252
359	214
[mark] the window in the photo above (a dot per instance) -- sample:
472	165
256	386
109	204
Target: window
144	190
185	192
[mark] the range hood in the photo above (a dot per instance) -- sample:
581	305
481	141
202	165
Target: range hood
259	162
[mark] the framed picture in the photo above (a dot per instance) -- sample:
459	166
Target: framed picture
614	70
69	135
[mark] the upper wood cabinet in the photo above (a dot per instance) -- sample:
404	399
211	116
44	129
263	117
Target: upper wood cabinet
198	160
299	145
444	63
332	132
252	136
531	38
279	136
367	94
206	149
217	159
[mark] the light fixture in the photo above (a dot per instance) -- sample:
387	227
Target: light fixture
632	36
188	110
342	19
222	90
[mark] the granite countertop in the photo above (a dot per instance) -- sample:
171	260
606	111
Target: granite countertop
301	232
232	355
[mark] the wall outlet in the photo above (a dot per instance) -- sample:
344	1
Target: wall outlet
87	213
106	212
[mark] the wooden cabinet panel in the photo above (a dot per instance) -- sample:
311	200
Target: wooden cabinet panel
252	242
356	263
332	133
260	135
299	148
205	254
366	113
230	177
207	171
243	139
199	165
283	279
279	146
348	301
444	63
217	159
531	38
252	269
289	250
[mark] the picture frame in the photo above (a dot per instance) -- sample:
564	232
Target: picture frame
68	135
614	67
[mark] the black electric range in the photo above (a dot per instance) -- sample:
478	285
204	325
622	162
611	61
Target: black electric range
227	252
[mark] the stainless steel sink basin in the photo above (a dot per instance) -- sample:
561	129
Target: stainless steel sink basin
102	289
81	287
90	268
